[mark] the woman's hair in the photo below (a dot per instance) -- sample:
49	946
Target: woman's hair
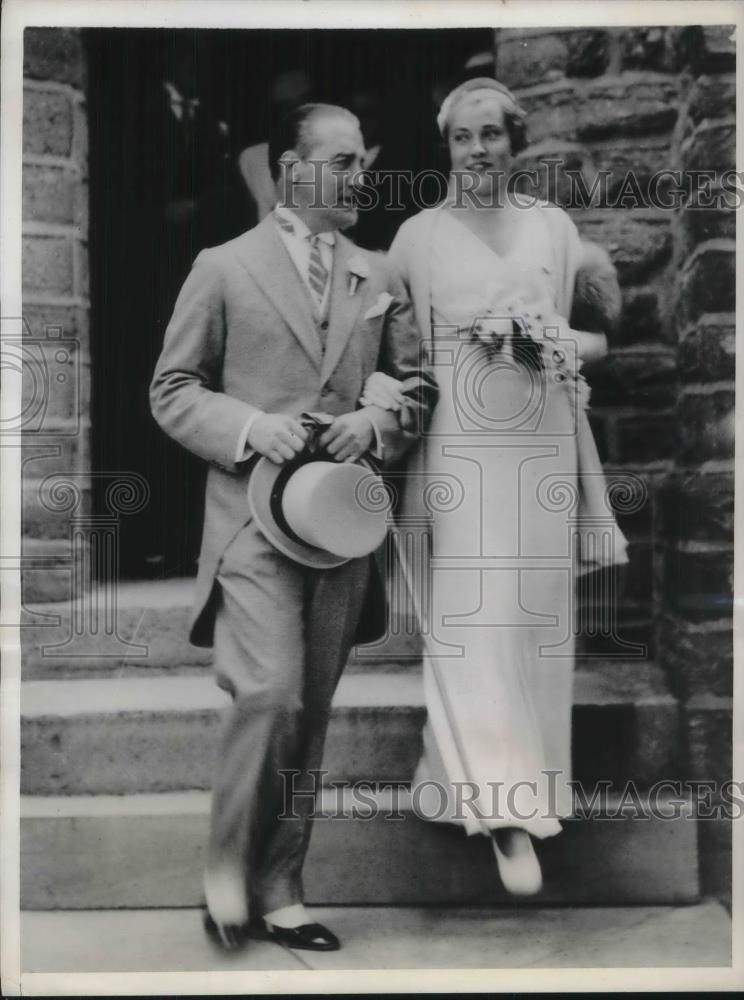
514	114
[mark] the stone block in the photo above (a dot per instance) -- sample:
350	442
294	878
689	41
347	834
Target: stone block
47	122
49	454
47	265
714	854
641	320
48	194
707	283
644	379
45	320
80	136
523	60
551	111
699	507
81	265
639	574
54	54
82	207
712	146
145	852
40	519
707	48
128	735
708	353
46	570
645	439
712	97
589	52
637	247
698	582
54	390
705	426
632	638
632	104
638	522
556	166
699	224
709	734
529	56
633	160
697	657
607	599
649	48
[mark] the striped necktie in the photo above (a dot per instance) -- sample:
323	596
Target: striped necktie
317	271
317	275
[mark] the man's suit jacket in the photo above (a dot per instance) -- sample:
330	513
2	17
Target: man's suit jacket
243	336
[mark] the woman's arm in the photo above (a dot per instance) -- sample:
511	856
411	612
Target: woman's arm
590	346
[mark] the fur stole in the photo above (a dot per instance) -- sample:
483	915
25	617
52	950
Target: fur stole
597	299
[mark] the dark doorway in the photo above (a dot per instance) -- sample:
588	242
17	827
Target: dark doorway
170	113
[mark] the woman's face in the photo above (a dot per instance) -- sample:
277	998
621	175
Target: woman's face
479	143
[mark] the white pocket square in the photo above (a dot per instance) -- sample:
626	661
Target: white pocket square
383	301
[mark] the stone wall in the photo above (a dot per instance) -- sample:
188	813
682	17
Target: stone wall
55	306
639	101
596	101
696	632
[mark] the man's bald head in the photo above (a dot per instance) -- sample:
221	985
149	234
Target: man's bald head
295	131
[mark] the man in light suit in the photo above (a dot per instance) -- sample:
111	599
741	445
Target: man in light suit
287	318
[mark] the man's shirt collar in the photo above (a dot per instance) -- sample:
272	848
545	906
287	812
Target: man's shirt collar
301	231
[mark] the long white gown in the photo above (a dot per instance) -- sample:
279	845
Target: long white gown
500	459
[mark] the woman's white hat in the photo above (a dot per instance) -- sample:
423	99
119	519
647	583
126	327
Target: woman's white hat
469	87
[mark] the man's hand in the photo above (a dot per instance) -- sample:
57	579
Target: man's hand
384	391
348	437
277	436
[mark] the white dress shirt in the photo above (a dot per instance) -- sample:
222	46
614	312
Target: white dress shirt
299	249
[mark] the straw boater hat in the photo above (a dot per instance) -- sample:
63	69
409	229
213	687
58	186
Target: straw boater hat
319	513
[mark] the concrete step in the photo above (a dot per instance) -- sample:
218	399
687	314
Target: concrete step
424	939
84	852
124	735
140	629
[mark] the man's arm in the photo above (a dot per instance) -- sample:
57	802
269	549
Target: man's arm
402	357
185	394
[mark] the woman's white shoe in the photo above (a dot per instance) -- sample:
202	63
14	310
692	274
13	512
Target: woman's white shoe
517	862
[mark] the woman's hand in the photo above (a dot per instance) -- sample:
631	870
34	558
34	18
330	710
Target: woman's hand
384	391
591	346
348	437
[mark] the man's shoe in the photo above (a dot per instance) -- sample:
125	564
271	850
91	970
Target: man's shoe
314	937
227	937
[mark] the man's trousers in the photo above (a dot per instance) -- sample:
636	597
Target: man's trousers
283	633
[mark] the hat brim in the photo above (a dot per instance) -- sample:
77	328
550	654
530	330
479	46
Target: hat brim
261	484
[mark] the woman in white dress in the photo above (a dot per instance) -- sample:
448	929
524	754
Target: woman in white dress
509	484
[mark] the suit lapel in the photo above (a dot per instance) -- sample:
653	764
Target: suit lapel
343	308
267	259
